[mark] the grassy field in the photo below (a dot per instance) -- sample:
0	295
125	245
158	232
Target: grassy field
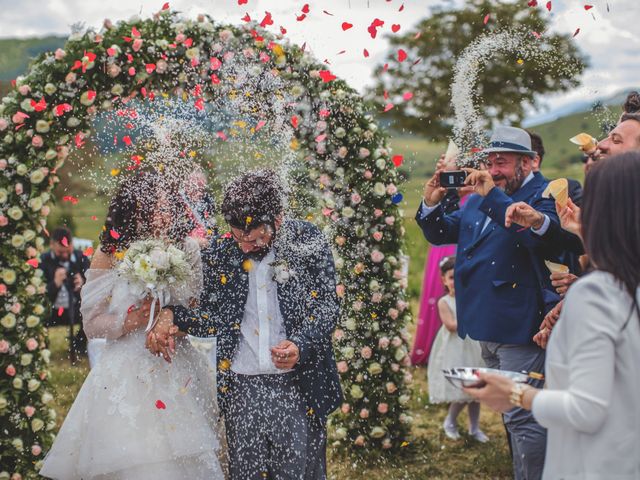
429	455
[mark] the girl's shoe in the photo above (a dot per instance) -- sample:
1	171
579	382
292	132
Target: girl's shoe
480	436
451	431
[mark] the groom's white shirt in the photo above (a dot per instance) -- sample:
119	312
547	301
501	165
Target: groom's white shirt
262	325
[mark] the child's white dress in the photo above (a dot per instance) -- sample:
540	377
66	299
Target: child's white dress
136	416
449	350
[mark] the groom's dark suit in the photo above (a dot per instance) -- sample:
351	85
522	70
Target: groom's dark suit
307	301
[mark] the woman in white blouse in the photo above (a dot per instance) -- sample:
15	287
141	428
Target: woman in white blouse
591	403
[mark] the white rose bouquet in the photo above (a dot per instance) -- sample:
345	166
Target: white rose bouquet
161	270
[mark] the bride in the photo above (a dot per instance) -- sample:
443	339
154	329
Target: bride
137	416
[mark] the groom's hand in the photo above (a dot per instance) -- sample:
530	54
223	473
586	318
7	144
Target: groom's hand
160	339
285	355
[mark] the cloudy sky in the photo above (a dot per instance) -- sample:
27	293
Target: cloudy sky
608	31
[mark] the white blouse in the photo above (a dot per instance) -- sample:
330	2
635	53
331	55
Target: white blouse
591	406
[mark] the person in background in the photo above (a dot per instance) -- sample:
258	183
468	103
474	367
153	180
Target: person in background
451	351
429	322
590	403
200	206
64	271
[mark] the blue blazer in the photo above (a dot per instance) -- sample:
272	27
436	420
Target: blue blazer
499	290
308	302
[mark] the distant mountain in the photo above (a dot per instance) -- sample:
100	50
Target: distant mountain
579	106
15	54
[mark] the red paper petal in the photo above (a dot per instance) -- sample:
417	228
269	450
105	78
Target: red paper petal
60	311
160	405
388	107
549	6
301	17
305	9
115	235
365	52
401	8
397	160
165	6
246	18
402	55
33	262
127	140
88	251
267	20
346	26
294	121
283	30
576	32
326	76
65	242
242	2
150	67
260	124
588	7
486	18
407	96
395	28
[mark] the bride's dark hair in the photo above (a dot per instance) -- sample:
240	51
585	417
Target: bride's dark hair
133	208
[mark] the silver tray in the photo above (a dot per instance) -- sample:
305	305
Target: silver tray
467	376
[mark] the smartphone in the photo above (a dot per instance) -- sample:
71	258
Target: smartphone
453	179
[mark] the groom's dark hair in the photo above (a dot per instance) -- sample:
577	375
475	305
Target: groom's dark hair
253	199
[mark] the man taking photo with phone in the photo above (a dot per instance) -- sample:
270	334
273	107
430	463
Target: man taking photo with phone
500	287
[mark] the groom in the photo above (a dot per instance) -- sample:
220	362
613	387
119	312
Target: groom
269	297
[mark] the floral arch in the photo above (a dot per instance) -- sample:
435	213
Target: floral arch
347	163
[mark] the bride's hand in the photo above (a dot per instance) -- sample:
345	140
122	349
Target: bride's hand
137	317
160	340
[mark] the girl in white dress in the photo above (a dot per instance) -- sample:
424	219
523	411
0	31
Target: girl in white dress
449	351
137	416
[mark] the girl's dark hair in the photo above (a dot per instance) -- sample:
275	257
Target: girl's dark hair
447	263
133	208
611	219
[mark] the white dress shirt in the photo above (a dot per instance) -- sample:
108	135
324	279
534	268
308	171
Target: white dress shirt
426	210
262	326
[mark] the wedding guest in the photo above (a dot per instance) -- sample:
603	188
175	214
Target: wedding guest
428	323
590	403
498	299
64	271
450	351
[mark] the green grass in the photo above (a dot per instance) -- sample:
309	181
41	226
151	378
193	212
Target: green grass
429	454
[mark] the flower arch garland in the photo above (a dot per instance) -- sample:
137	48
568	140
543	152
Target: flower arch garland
49	111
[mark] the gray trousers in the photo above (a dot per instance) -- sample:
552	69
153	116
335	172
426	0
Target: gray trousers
527	438
269	433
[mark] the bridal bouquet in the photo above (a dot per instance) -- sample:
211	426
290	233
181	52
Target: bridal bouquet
158	269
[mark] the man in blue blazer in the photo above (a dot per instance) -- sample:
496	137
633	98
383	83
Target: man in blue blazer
501	292
269	297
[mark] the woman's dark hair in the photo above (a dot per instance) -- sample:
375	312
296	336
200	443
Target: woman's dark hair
133	208
253	199
611	219
447	263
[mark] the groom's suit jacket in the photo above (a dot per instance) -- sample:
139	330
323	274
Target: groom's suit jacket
500	277
307	301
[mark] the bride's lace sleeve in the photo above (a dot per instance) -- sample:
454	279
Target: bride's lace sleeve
99	320
191	290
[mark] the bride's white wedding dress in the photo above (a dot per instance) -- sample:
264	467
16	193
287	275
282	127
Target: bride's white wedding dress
136	416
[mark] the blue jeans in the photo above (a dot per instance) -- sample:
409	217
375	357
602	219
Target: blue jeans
528	439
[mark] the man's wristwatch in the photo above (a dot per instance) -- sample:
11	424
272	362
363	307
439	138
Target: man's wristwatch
517	394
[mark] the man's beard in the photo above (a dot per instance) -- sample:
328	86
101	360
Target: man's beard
259	254
514	184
